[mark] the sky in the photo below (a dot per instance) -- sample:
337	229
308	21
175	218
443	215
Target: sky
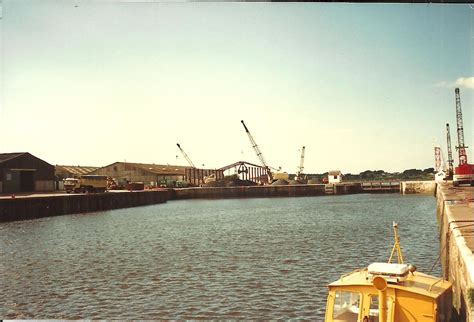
361	86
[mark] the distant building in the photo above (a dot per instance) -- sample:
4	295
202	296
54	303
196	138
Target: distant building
149	174
334	176
23	172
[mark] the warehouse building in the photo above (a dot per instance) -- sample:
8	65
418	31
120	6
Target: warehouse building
23	172
149	174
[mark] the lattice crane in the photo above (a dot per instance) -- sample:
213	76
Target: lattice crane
186	156
461	148
438	159
301	167
450	151
464	172
259	153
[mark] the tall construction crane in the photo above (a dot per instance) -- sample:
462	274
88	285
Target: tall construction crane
438	161
259	153
464	172
440	165
450	152
186	156
299	174
461	148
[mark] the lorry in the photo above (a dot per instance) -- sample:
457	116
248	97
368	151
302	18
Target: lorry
86	183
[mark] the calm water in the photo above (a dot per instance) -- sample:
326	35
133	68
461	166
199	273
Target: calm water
241	258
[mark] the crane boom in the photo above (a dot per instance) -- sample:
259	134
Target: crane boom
461	148
186	156
450	152
301	167
438	161
258	152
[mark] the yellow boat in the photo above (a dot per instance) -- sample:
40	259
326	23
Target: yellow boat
389	292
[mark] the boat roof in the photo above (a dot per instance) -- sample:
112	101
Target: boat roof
416	282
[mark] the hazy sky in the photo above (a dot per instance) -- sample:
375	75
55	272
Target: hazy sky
362	86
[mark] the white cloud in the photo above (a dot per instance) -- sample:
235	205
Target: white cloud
463	82
467	82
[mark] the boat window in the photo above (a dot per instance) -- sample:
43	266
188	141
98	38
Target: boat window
374	308
346	306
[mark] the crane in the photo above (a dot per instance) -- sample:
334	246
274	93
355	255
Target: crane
301	167
461	148
464	172
186	156
450	152
440	166
438	161
259	153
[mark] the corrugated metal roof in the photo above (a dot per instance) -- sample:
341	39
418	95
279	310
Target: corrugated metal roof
160	168
155	168
8	156
76	170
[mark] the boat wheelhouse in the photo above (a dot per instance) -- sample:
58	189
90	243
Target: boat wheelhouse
389	292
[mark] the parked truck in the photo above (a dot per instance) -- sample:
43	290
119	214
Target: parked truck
86	183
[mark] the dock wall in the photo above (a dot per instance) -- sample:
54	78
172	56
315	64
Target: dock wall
417	187
455	214
56	205
264	191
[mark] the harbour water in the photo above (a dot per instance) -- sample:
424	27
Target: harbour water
233	258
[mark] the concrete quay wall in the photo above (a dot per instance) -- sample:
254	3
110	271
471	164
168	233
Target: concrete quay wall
265	191
455	215
417	187
249	192
24	208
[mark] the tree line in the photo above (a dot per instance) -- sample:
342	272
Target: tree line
381	175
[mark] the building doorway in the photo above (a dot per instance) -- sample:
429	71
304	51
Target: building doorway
27	182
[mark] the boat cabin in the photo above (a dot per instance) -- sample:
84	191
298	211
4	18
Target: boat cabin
386	292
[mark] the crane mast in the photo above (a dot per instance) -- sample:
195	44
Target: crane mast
186	156
461	148
258	152
301	167
450	152
437	153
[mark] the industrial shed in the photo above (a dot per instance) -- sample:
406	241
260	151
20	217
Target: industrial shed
23	172
149	174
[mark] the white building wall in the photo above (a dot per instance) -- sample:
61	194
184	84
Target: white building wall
335	179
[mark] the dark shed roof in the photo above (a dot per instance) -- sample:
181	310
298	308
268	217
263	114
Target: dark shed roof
8	156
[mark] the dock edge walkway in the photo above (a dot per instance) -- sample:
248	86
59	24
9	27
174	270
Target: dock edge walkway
455	215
